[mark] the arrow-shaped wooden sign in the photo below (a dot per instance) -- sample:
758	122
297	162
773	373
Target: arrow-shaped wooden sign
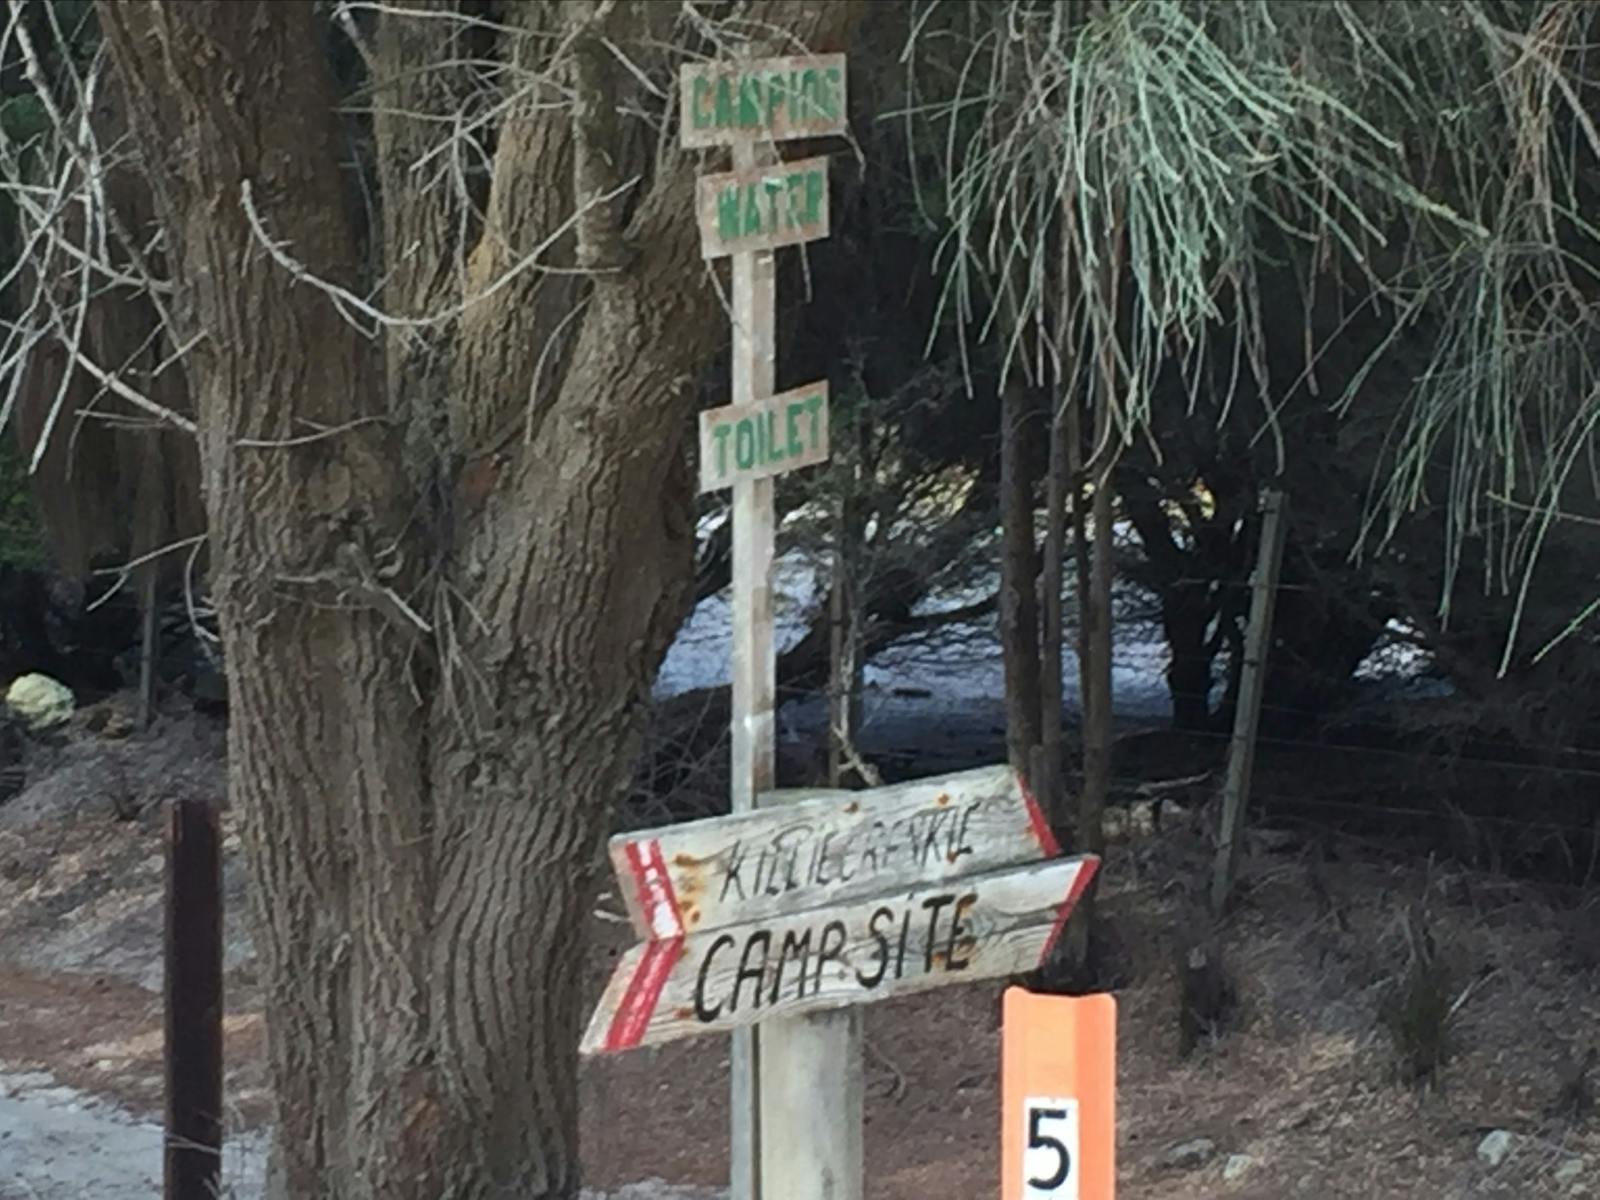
954	931
832	849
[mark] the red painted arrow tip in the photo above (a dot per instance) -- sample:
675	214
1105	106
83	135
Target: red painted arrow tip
1037	821
1080	884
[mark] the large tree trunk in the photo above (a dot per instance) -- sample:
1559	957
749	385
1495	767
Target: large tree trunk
444	578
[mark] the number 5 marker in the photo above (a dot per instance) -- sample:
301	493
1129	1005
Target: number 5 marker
1058	1076
1051	1155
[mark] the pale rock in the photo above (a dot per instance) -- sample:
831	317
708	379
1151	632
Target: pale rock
1236	1166
1137	820
1494	1148
1570	1171
1172	814
39	701
1196	1152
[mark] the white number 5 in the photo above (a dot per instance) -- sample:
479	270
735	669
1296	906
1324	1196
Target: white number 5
1050	1149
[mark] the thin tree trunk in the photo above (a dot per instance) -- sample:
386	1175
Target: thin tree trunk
1098	628
1080	558
1095	623
1020	585
1051	765
846	649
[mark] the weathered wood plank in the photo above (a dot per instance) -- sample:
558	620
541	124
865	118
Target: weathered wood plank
754	367
762	100
813	1105
976	927
1252	686
765	438
762	208
831	849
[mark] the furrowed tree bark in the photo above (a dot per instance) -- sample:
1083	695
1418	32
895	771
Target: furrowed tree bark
325	754
442	611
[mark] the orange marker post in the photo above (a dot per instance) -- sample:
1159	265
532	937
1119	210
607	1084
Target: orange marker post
1058	1080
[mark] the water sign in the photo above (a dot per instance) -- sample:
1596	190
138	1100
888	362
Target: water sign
763	208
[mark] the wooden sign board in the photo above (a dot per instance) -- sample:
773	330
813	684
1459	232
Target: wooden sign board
956	931
836	848
764	99
1058	1080
762	208
769	437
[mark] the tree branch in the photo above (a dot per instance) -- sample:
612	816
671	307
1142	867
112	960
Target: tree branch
594	123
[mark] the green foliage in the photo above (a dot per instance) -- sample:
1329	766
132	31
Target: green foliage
1117	176
1190	134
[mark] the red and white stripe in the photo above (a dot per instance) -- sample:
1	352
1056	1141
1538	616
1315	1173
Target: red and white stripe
657	901
638	1005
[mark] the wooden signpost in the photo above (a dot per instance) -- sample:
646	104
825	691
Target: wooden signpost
792	911
952	931
833	849
762	100
750	105
830	901
763	438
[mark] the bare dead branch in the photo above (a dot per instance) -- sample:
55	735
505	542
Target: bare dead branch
125	571
350	305
309	438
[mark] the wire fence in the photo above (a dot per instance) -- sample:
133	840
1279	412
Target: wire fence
1429	773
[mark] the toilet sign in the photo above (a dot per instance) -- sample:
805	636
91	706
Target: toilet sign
767	437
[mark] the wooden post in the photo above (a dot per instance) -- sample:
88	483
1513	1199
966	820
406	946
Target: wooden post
750	105
838	681
147	644
193	1149
754	662
1252	680
797	1093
